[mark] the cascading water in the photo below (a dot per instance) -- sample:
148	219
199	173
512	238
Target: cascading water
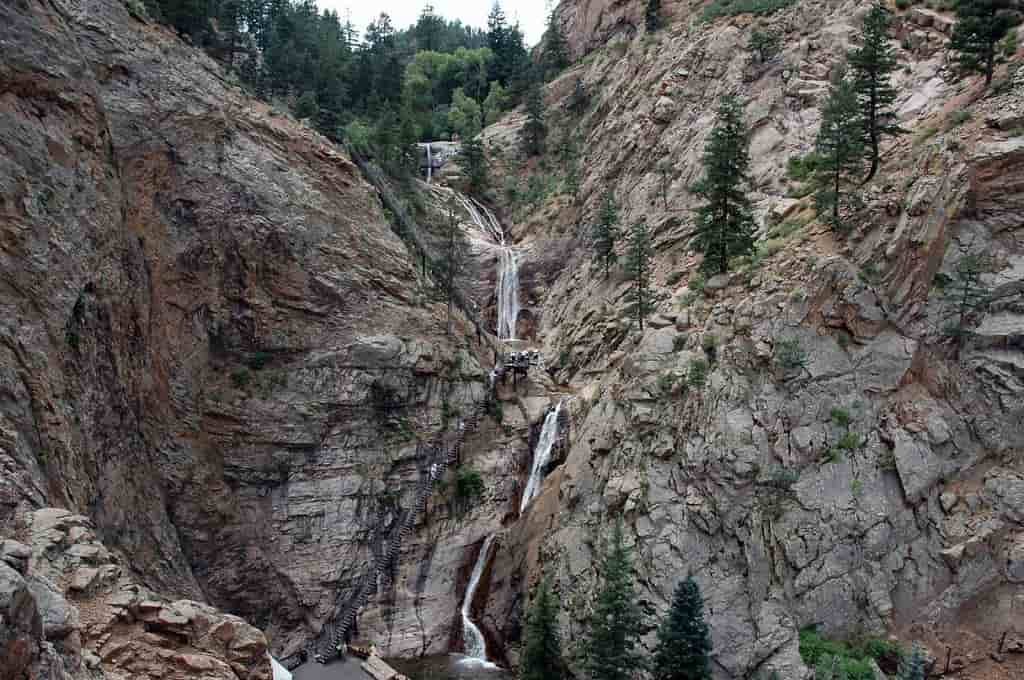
541	456
508	294
430	163
476	646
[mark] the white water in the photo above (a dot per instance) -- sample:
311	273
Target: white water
476	646
508	294
541	457
430	164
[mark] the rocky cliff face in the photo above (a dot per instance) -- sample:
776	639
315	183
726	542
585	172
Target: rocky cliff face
842	464
216	354
212	342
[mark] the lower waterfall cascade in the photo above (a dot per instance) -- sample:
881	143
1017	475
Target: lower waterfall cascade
541	456
475	644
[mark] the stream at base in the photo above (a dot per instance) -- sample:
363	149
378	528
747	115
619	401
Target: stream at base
449	667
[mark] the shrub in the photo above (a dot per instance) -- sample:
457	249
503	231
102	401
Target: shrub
850	662
666	383
674	278
697	282
841	417
790	355
679	343
902	4
851	441
469	486
697	374
958	118
258	360
240	378
801	168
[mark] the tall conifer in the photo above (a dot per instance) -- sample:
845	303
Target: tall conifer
605	234
981	24
638	265
840	147
684	639
873	64
613	630
542	647
725	223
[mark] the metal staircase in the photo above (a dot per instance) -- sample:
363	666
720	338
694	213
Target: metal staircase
440	455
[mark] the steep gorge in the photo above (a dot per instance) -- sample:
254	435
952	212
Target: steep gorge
217	349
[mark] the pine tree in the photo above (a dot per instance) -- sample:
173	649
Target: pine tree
555	56
638	265
725	223
652	16
966	294
476	164
980	25
542	647
613	629
913	667
873	65
534	130
840	149
684	640
605	234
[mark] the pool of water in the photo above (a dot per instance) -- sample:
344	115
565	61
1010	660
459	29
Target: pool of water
344	669
449	667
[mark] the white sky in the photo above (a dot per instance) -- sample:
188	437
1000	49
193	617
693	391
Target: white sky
531	14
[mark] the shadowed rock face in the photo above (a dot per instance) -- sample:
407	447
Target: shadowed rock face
199	297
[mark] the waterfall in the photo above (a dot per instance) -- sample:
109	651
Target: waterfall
430	163
541	456
508	294
476	646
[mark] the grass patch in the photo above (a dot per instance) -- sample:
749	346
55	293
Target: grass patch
851	661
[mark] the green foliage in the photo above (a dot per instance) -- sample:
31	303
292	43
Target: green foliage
840	150
802	168
790	355
496	102
451	268
258	360
555	52
849	442
913	667
728	8
725	223
652	15
611	645
775	492
966	295
981	24
838	660
684	639
542	646
873	64
469	486
464	116
958	118
306	106
841	417
605	233
535	129
697	373
241	378
476	164
1008	45
765	45
638	267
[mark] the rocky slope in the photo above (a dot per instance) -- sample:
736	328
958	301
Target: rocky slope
842	464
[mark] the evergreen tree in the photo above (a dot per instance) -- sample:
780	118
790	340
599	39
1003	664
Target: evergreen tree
613	630
464	115
840	149
605	234
652	15
638	266
429	29
476	164
913	667
966	294
534	130
555	56
542	647
725	224
873	65
684	640
980	25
